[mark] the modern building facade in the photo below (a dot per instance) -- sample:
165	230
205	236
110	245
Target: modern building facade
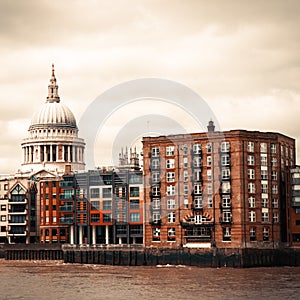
217	189
294	208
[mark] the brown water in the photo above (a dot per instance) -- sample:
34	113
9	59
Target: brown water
55	280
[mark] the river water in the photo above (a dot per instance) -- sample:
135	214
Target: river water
56	280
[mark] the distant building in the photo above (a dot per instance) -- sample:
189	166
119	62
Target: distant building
217	189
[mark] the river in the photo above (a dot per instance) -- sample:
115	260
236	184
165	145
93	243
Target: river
56	280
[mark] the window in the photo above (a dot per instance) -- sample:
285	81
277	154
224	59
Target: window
134	204
226	202
263	160
251	201
95	217
156	204
225	173
95	193
209	188
185	189
170	176
225	160
185	176
185	162
185	149
208	147
263	148
251	187
3	218
170	164
171	217
264	202
155	191
197	189
265	217
275	203
264	174
264	188
155	151
198	203
209	174
170	190
155	177
226	234
197	148
266	233
225	147
155	163
210	202
95	205
156	233
252	233
171	232
273	161
250	160
250	147
208	161
6	187
106	192
107	204
274	189
170	150
107	218
3	207
197	162
171	204
156	217
252	216
273	148
226	216
185	203
134	191
275	217
135	217
226	187
250	174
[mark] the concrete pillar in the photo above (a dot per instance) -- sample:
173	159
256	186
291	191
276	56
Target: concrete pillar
69	152
63	153
133	240
56	153
39	154
24	154
80	235
45	153
72	234
106	234
51	153
120	240
94	235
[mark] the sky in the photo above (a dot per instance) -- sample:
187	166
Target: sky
241	57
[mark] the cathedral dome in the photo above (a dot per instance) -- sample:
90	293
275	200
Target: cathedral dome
53	113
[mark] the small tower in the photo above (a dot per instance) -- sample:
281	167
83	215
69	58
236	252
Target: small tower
211	126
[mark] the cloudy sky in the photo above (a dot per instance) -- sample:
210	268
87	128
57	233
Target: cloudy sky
241	57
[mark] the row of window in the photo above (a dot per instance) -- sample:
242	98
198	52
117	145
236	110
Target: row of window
107	204
264	202
133	217
264	216
264	188
119	192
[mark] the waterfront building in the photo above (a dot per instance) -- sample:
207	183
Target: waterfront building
217	189
294	208
102	206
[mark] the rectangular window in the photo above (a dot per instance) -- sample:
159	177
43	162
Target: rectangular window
155	164
226	187
275	217
264	202
252	216
197	189
171	232
226	202
134	191
265	217
197	148
107	218
263	148
170	164
155	151
209	147
135	217
95	217
134	204
197	162
198	203
185	189
171	204
185	176
225	173
170	190
155	177
3	207
156	204
185	149
210	202
225	160
275	203
225	147
171	217
170	176
266	233
208	161
251	201
170	150
250	160
273	161
95	193
252	233
274	189
209	189
263	160
185	203
251	188
273	148
155	191
209	174
250	146
264	174
95	205
3	218
226	216
107	205
156	234
250	174
185	162
264	188
106	192
226	234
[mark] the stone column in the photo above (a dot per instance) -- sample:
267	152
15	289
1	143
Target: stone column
45	153
69	152
51	153
80	235
56	159
71	233
94	235
106	235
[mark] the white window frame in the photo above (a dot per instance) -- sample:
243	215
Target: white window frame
250	160
170	163
197	148
155	152
170	150
170	176
171	217
252	216
225	147
250	146
170	190
251	201
171	204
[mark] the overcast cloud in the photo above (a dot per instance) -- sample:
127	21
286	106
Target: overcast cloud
242	57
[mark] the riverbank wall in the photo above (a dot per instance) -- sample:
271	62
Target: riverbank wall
135	255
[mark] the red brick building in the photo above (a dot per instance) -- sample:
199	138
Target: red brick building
224	189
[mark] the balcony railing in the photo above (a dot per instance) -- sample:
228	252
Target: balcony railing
17	201
66	208
66	220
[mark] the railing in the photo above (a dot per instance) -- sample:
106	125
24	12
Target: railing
66	220
66	208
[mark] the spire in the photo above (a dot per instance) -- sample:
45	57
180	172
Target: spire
53	89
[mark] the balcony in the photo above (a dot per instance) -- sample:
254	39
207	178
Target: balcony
17	201
17	212
17	222
197	238
65	220
66	184
17	233
66	197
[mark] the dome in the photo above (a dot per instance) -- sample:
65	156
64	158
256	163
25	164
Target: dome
54	114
